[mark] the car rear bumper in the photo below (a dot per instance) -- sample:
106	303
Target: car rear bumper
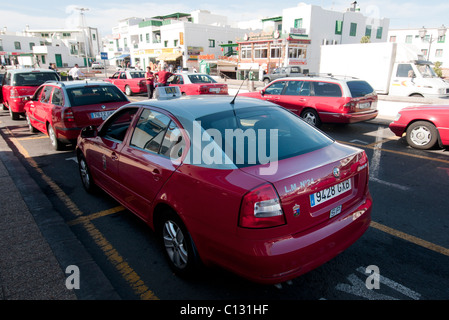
348	117
17	104
284	258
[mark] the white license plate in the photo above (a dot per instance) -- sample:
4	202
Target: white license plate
330	193
335	211
102	114
216	90
364	105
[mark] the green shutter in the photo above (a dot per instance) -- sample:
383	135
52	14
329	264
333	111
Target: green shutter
338	27
353	31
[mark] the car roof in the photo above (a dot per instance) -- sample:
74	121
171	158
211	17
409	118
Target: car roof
78	83
27	70
322	78
194	107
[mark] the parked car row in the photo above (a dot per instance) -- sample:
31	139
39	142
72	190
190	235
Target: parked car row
270	205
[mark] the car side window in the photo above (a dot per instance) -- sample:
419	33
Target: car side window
326	89
296	88
275	88
173	144
118	124
150	131
123	75
37	94
45	96
57	98
115	76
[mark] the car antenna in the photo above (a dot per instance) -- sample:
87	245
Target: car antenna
232	102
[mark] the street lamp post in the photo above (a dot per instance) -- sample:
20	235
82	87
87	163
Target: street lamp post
423	31
83	26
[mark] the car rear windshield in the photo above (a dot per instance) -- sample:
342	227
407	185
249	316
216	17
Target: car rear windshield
94	95
138	74
201	78
26	79
360	88
253	136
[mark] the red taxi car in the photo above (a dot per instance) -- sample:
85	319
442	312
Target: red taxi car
129	81
62	109
197	83
424	126
184	167
19	84
322	99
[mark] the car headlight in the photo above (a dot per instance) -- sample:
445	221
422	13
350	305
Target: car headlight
398	116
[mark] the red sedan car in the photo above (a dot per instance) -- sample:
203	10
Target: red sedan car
322	99
247	185
62	109
424	126
197	83
129	81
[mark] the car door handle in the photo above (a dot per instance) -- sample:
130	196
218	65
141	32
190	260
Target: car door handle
156	174
114	156
302	100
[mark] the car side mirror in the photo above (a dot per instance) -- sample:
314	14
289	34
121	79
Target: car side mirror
89	132
262	92
28	98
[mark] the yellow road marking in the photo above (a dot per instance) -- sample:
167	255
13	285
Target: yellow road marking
410	238
95	215
32	138
131	277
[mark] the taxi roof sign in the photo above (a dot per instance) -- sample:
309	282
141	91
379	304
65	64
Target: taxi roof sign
165	93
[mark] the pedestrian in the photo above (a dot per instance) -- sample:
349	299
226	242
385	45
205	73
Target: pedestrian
75	73
162	77
149	76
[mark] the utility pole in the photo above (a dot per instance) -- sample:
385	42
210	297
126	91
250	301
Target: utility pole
83	28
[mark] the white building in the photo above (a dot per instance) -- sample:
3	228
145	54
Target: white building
17	49
295	38
431	42
180	39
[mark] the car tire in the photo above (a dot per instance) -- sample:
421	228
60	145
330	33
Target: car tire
14	115
86	178
128	91
4	107
56	144
311	117
30	126
422	135
179	248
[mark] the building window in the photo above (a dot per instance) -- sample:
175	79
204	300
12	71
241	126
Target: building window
260	51
392	38
353	30
147	38
17	45
338	27
438	53
424	52
379	33
32	44
275	51
211	43
175	43
368	31
166	43
140	37
298	23
408	39
442	39
93	36
125	42
1	45
43	59
246	52
64	34
296	52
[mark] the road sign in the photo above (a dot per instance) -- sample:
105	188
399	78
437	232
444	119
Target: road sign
104	55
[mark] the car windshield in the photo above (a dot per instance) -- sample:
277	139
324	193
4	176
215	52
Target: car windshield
201	78
360	88
94	94
426	71
254	136
33	78
138	74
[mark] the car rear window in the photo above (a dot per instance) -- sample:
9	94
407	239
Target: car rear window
326	89
359	88
94	95
201	78
33	78
138	74
251	136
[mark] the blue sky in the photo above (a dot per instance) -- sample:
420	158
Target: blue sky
15	15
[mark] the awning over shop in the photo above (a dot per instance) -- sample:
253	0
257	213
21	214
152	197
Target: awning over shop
169	56
123	56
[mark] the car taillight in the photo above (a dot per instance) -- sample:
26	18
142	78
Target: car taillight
14	94
203	89
350	105
261	208
68	115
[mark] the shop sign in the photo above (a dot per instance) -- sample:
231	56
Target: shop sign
297	62
206	57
